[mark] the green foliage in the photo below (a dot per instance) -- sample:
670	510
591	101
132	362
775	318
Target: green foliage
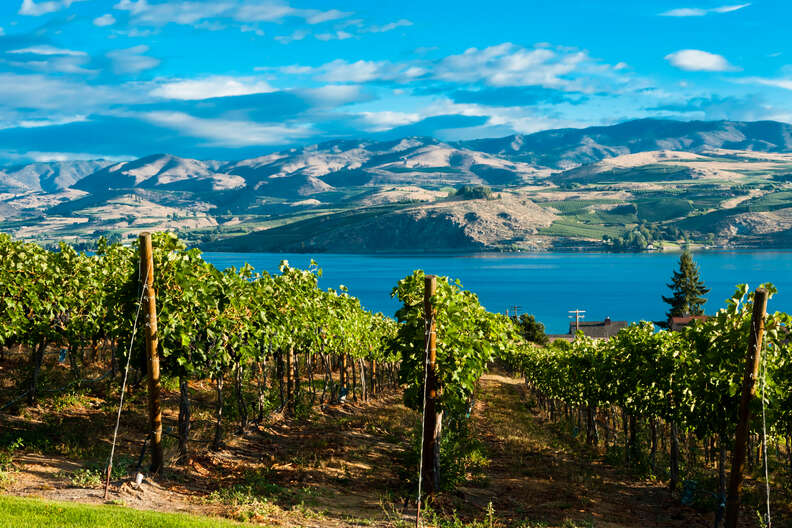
692	378
530	329
468	337
663	208
687	289
211	323
93	475
473	192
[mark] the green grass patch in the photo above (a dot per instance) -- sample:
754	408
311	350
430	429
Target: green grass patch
572	228
35	513
575	206
659	209
772	201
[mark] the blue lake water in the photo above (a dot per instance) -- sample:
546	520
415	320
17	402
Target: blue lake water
626	286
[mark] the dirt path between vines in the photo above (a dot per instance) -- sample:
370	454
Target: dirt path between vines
537	476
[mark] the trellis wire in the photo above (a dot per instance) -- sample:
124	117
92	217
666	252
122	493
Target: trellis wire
764	439
123	384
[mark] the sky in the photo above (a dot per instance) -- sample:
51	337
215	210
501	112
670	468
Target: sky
232	79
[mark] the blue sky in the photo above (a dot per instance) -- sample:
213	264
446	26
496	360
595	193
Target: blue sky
228	79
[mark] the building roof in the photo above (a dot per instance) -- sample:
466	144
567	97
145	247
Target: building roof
599	329
677	323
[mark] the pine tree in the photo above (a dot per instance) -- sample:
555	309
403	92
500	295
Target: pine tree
687	289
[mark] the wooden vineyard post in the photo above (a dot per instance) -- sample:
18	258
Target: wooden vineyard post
152	358
752	359
430	425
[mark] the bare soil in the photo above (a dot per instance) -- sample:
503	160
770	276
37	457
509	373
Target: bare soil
346	466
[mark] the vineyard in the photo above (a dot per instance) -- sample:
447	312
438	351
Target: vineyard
246	356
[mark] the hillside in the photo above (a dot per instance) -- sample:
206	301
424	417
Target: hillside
636	185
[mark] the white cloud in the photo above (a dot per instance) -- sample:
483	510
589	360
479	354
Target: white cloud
36	123
132	60
31	8
104	20
510	65
193	12
245	28
294	69
340	70
229	133
298	34
522	120
215	86
386	120
62	64
685	12
2	32
698	60
388	27
785	84
729	8
699	12
335	94
504	65
51	59
338	35
317	17
48	50
73	156
49	95
185	13
42	122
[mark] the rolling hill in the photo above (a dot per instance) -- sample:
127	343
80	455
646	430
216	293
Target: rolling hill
629	186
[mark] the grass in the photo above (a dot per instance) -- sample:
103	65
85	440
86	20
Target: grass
92	475
772	201
34	513
575	206
6	462
571	228
659	209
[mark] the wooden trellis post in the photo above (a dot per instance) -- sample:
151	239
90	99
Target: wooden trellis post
431	420
752	359
152	357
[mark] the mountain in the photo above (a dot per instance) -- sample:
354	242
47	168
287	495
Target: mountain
626	186
49	177
570	147
415	160
160	171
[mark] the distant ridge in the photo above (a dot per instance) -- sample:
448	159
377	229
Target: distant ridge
625	187
323	166
568	147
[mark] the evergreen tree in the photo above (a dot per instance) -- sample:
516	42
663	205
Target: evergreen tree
531	329
687	289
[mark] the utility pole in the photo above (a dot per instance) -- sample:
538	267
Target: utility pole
515	310
152	358
752	359
578	316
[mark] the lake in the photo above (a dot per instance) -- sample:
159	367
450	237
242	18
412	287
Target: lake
622	286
